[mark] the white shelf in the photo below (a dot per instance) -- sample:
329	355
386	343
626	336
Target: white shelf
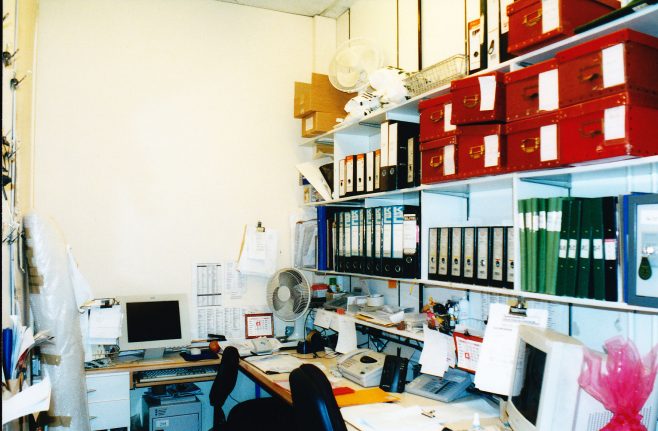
355	274
644	20
394	194
390	329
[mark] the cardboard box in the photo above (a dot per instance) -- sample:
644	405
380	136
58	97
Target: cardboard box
532	90
478	99
438	160
319	96
533	143
318	123
435	116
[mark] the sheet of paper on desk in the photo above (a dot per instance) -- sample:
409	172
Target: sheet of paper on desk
34	399
346	334
437	354
463	410
275	363
105	322
386	416
496	366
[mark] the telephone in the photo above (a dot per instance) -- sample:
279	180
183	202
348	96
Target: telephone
362	366
452	386
264	346
394	375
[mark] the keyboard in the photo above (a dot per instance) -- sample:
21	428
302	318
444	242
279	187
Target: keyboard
176	373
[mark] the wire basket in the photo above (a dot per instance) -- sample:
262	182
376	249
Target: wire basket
436	75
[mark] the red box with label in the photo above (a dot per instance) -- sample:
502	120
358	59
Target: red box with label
533	143
618	126
435	116
478	99
522	90
438	160
536	23
622	61
481	150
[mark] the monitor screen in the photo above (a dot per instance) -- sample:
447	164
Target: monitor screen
527	400
154	322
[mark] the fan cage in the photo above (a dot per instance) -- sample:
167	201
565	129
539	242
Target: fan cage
300	295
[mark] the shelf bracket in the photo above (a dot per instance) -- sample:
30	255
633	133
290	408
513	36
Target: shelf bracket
366	124
565	184
464	195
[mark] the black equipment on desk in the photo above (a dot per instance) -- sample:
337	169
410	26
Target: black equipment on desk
394	374
313	343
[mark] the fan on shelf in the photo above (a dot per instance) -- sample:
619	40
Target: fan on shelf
289	297
353	61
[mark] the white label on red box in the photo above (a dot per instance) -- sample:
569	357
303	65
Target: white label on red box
613	65
548	143
487	92
449	160
447	114
550	15
491	151
548	91
614	123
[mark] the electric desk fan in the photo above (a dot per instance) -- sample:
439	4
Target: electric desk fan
353	61
289	297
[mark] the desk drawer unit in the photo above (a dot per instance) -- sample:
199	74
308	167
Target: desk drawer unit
108	398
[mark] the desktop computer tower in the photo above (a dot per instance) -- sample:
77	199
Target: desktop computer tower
174	414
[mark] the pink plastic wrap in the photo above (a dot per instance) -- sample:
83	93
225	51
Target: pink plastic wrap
623	384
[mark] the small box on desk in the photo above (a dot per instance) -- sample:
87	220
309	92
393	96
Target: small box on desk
622	61
618	126
318	123
536	23
319	95
478	99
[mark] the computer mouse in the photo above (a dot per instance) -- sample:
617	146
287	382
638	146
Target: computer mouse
195	351
367	359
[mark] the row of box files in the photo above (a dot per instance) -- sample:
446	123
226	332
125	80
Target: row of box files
497	29
568	246
620	62
482	255
395	165
376	241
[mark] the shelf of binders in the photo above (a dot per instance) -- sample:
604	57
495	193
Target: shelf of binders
644	20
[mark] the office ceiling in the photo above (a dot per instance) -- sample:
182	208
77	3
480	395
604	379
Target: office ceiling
326	8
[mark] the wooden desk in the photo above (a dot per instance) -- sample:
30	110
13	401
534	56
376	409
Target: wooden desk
268	381
135	364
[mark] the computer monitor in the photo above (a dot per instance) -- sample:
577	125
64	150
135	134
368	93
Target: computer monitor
153	323
545	394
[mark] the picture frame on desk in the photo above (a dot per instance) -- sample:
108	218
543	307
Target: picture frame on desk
258	325
642	248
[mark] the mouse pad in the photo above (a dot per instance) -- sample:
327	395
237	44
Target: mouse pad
205	354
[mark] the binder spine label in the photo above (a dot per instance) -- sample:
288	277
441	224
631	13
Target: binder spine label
387	231
354	241
392	144
498	247
564	245
377	167
572	252
455	268
368	233
349	174
443	251
432	249
610	249
584	248
597	248
510	255
410	161
410	234
348	234
483	254
360	169
469	252
370	174
378	232
398	232
341	177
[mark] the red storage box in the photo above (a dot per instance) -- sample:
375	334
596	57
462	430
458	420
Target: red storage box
435	115
438	160
531	90
622	61
535	23
481	150
478	99
617	126
533	143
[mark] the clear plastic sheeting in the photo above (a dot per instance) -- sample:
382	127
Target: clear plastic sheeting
54	307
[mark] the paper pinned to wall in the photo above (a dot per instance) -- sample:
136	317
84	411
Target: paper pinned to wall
253	260
496	365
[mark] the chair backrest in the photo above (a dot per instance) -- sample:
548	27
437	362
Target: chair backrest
222	386
313	401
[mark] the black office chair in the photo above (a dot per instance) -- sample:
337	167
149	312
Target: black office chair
313	402
247	415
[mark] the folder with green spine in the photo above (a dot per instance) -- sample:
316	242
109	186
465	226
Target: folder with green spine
597	278
571	280
553	221
585	248
523	246
563	247
541	246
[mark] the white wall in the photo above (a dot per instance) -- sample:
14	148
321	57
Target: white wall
164	126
